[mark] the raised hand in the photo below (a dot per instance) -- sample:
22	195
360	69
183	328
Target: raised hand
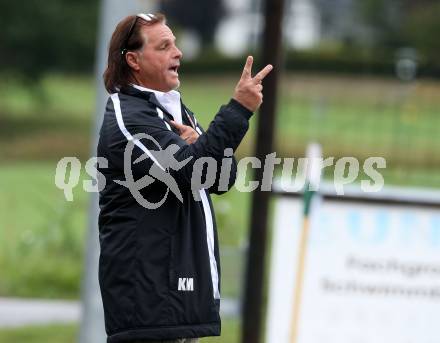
249	90
187	133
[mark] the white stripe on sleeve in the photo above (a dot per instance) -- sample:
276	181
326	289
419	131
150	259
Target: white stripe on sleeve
118	113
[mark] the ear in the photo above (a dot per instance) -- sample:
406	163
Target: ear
132	59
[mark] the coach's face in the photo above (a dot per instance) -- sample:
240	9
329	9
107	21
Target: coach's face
155	66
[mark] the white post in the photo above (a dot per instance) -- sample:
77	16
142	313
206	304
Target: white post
92	319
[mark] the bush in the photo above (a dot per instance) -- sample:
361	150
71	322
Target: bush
421	28
344	61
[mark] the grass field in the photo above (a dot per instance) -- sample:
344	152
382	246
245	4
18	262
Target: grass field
40	334
42	235
348	116
69	333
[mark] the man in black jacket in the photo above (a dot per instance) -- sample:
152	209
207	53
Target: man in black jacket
159	268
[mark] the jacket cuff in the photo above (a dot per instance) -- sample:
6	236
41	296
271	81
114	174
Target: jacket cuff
239	108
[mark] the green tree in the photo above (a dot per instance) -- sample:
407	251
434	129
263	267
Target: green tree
422	25
51	35
384	19
202	16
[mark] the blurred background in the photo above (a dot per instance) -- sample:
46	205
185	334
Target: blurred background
361	77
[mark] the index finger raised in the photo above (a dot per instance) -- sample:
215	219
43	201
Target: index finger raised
247	70
263	73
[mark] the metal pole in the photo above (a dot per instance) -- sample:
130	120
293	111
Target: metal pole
92	319
253	297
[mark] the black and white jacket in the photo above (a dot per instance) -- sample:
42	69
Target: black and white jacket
159	269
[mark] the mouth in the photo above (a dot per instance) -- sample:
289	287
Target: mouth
174	68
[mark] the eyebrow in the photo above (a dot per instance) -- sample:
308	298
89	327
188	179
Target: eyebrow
165	40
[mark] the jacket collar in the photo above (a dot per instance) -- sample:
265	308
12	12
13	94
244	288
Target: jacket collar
149	96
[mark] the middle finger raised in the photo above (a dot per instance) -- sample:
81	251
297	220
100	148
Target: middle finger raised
262	73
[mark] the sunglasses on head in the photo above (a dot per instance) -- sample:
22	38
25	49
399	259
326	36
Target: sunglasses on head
146	17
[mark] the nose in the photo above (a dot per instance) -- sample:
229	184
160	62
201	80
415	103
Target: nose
178	53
